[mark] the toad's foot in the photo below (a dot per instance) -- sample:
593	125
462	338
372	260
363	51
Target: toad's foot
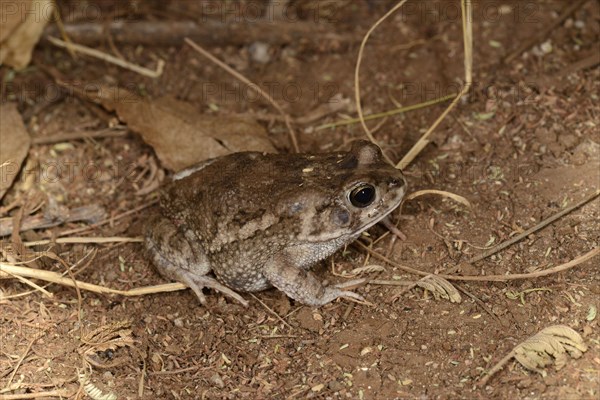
303	286
350	284
198	282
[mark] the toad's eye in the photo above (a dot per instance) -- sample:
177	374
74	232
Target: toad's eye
362	195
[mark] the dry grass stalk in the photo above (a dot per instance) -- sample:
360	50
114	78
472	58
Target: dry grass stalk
491	278
357	72
108	58
453	196
6	270
467	23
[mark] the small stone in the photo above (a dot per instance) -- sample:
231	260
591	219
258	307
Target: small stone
546	47
259	52
568	140
556	149
335	386
365	351
317	388
111	275
545	135
578	159
217	381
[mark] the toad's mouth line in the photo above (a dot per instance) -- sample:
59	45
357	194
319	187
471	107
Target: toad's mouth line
380	217
358	231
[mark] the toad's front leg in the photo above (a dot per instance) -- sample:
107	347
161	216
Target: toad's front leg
302	285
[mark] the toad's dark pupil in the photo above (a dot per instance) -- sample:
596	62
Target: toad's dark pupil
362	196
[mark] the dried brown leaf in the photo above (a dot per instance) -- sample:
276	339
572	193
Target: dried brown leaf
551	344
21	26
180	135
554	342
108	337
14	146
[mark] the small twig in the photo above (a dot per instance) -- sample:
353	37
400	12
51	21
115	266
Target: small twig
538	350
334	104
409	287
570	9
357	73
278	336
31	342
61	29
315	36
36	287
553	80
55	277
491	278
585	63
69	272
529	231
60	393
92	252
52	218
271	311
251	85
143	373
390	283
479	302
393	229
85	239
175	371
496	368
111	42
107	220
111	59
65	137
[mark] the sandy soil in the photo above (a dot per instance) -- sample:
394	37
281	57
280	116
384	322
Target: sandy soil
523	145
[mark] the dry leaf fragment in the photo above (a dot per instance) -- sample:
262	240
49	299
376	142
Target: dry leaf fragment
14	145
540	350
367	269
179	134
105	338
92	390
440	288
181	137
21	26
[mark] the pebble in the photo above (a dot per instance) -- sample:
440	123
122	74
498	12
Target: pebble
259	52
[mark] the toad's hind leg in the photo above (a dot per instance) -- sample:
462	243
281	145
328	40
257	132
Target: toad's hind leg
198	282
179	257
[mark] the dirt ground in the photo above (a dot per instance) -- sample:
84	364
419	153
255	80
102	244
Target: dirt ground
521	146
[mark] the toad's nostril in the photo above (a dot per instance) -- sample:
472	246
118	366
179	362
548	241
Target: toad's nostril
397	183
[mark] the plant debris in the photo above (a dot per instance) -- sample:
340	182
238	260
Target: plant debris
551	344
440	288
14	145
